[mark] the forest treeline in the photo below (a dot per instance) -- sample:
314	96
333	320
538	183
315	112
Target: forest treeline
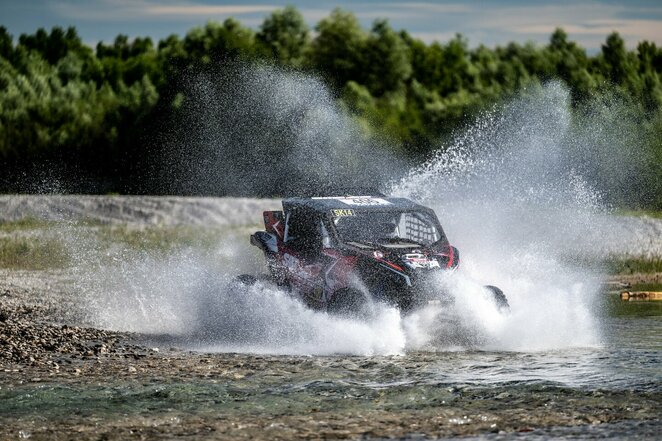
94	111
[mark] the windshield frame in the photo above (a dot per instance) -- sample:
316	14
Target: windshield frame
376	242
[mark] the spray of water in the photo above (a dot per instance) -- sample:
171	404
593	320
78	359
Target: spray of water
187	299
511	196
259	130
509	191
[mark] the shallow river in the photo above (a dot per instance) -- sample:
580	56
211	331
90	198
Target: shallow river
612	391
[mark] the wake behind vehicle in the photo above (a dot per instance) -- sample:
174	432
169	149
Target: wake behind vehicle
339	253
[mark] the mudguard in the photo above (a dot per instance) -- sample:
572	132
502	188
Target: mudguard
449	258
274	223
267	242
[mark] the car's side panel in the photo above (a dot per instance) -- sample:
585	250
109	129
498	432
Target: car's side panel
274	223
338	272
304	277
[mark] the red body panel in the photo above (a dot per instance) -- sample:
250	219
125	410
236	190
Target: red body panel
274	224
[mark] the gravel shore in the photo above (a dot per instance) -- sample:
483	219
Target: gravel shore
43	351
116	385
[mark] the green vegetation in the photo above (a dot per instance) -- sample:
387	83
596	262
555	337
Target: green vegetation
94	112
36	245
646	287
160	240
634	266
27	223
32	253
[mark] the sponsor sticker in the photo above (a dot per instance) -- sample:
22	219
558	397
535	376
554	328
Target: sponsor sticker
340	212
359	201
415	260
364	201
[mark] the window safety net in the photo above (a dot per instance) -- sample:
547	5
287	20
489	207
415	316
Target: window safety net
418	228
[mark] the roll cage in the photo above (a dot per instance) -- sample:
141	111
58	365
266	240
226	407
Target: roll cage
309	228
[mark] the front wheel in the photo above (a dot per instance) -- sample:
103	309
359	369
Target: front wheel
246	279
499	298
250	280
349	303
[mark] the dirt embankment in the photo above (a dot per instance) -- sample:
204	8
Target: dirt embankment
151	210
627	236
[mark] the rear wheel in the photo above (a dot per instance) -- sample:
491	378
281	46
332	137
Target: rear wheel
348	303
276	271
246	279
250	279
499	298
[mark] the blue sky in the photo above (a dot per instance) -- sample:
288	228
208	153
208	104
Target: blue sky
489	22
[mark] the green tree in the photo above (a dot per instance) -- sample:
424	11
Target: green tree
339	47
6	44
55	45
387	64
285	35
100	110
617	63
570	63
215	41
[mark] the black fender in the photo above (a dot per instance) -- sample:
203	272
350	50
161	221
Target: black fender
267	242
499	298
349	302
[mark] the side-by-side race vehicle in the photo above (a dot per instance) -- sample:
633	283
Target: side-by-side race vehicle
339	253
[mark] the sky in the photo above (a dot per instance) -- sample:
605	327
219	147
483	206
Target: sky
488	22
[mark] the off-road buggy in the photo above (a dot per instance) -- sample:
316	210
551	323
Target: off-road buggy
339	253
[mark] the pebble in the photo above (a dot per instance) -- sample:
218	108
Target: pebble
24	340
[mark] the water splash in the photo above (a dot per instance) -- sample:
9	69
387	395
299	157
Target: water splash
261	130
510	196
187	300
510	192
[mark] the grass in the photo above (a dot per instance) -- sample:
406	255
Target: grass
161	240
32	254
27	223
634	266
640	213
31	223
646	287
49	247
52	245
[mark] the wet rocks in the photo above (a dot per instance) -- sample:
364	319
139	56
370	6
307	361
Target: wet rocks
246	396
27	338
25	341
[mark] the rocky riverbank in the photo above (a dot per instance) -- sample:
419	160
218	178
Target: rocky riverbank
96	384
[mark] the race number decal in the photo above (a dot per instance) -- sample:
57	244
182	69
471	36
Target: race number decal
358	201
364	201
340	212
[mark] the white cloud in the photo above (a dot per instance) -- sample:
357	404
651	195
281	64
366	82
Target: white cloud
588	22
112	10
424	8
205	10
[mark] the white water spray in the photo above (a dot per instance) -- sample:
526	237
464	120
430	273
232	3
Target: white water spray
511	200
186	300
507	196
